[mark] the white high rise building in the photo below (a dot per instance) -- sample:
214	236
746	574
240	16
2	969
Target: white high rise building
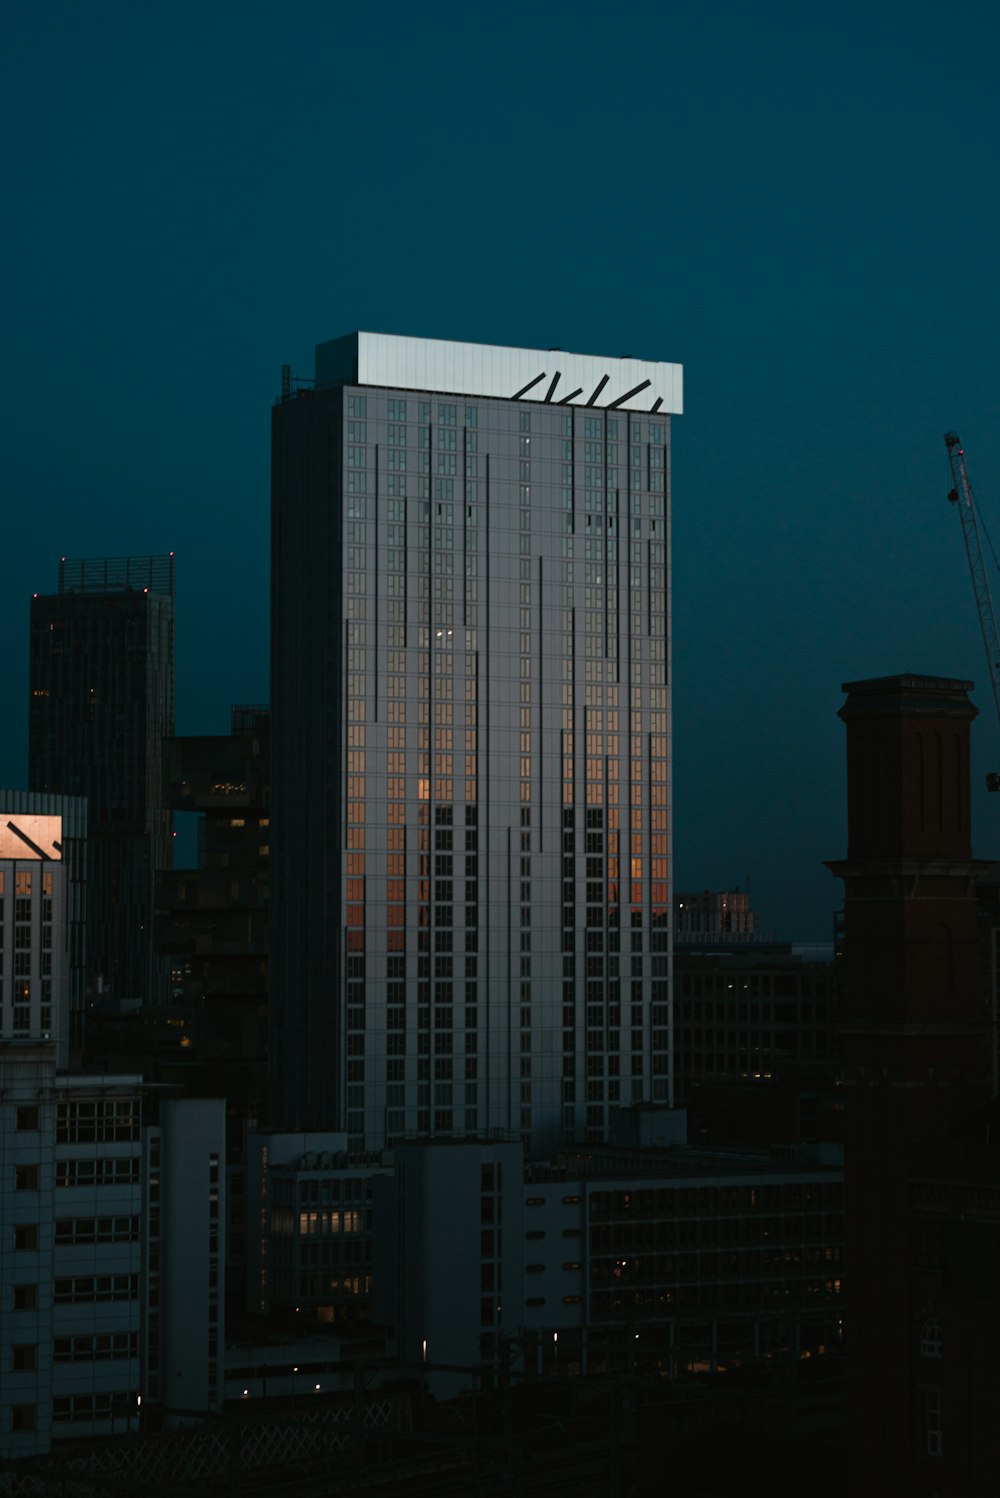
471	741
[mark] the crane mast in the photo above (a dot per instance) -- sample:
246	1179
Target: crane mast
961	496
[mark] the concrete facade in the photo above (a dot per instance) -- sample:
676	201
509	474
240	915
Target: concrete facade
111	1255
70	1253
686	1260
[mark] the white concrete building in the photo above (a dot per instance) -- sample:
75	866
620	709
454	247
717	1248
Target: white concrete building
689	1260
185	1248
448	1246
70	1233
111	1255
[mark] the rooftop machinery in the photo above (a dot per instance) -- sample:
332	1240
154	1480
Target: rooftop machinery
961	495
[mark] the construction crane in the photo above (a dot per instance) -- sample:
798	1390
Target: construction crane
961	495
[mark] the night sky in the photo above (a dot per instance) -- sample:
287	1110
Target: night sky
798	202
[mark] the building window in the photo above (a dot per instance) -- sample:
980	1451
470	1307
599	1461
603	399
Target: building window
100	1348
22	1417
25	1236
90	1122
84	1289
930	1339
25	1177
104	1172
934	1421
81	1408
24	1357
97	1230
25	1297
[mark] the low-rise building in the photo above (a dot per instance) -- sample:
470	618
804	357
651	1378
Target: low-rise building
752	1013
449	1254
695	1259
110	1288
309	1225
723	915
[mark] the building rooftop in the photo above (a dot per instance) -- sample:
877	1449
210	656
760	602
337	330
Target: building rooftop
606	1162
545	375
117	574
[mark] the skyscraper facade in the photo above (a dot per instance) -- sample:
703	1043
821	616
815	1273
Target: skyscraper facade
102	700
470	741
33	931
71	813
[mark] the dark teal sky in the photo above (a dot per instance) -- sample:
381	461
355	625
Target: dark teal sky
797	202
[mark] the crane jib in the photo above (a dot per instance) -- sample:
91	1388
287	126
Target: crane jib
962	497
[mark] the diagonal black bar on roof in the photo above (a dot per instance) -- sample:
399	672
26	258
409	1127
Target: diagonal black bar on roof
12	827
530	386
571	397
555	381
636	390
600	386
656	405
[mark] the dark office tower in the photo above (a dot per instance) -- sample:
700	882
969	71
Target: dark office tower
470	741
214	917
921	1195
102	700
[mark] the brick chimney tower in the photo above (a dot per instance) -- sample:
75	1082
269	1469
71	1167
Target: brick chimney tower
915	1059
